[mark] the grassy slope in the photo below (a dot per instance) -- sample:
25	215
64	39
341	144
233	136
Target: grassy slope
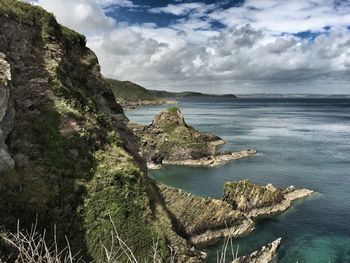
129	91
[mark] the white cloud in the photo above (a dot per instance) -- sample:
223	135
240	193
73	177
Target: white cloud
184	9
190	54
293	16
85	16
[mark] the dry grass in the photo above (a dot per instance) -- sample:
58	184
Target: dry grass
30	246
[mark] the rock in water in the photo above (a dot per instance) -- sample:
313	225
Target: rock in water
204	220
169	140
266	254
257	200
245	196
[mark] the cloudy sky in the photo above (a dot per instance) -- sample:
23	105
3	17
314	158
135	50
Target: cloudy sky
237	46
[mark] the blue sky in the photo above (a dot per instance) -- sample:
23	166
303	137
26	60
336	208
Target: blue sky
237	46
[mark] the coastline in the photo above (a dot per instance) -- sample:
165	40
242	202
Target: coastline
283	206
210	161
130	105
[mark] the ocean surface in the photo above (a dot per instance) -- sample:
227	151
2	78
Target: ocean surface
301	142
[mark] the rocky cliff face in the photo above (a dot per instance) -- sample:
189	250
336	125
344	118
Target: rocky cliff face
6	113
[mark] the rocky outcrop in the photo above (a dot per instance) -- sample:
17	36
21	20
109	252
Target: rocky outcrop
213	160
169	140
267	254
203	220
6	114
258	201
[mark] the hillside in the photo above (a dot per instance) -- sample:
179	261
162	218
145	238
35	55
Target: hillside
189	94
131	95
127	91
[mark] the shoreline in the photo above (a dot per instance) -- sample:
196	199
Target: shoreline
210	161
289	198
131	105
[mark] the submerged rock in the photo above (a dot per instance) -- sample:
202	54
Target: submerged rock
266	254
257	200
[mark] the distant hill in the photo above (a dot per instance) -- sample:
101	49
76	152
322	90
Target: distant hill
129	91
130	94
188	94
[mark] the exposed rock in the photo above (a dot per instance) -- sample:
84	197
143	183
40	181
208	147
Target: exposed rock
6	114
144	103
203	220
267	254
258	201
214	160
169	140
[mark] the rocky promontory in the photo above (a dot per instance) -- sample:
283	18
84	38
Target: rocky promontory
203	220
169	140
258	201
266	254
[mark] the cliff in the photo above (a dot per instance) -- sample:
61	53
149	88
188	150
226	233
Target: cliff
169	140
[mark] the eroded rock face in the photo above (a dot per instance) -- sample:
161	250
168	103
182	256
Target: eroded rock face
6	114
245	196
255	200
203	220
267	254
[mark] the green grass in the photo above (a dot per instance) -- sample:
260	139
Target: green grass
173	110
24	12
118	191
128	91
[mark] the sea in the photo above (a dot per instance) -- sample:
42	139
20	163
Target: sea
304	142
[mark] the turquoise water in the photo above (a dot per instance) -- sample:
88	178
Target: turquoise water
301	142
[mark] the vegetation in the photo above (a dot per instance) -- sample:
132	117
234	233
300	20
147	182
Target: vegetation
118	191
128	91
171	137
187	94
24	12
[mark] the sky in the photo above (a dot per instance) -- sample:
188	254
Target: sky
228	46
